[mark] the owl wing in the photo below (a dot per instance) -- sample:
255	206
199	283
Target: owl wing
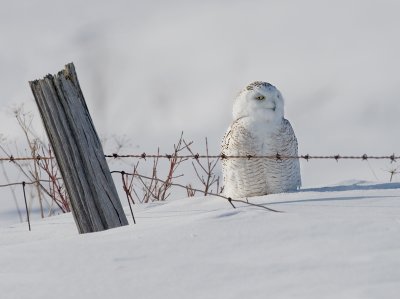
237	140
242	177
289	147
289	138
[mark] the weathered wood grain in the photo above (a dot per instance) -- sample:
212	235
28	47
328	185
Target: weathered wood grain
77	148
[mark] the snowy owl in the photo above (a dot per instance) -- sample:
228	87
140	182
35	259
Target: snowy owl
259	128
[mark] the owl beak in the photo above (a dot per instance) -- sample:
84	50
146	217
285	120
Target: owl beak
272	106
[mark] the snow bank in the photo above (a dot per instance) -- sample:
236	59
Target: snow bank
329	243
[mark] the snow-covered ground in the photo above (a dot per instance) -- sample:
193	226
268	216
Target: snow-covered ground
333	242
151	69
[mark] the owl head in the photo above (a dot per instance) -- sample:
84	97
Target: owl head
259	101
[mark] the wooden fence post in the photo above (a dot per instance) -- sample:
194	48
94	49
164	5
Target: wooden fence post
94	199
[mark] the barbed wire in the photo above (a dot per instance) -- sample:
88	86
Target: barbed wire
222	156
26	183
276	156
15	159
23	184
229	199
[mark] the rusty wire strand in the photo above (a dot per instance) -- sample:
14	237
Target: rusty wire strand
27	183
277	156
14	159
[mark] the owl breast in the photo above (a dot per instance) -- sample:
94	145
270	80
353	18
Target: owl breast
259	176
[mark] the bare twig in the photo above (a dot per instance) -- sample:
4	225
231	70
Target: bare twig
56	189
156	189
208	179
126	187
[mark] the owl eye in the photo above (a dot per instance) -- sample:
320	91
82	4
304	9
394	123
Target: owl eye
260	97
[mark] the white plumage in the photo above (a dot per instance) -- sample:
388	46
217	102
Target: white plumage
259	128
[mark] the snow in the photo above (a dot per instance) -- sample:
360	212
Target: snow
151	69
332	242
